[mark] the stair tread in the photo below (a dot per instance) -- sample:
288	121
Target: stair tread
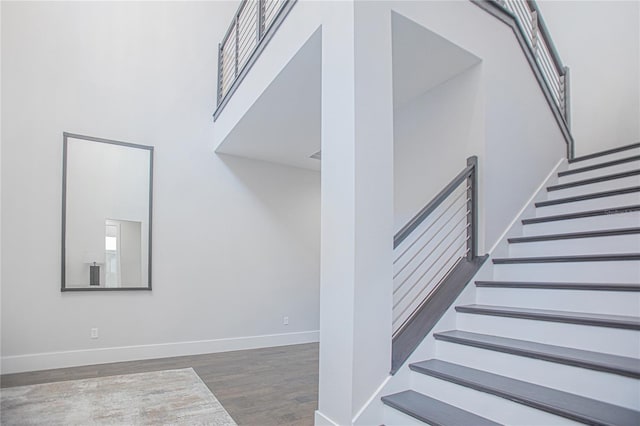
574	258
572	235
605	152
590	181
557	402
433	411
579	215
625	366
599	166
584	197
561	285
582	318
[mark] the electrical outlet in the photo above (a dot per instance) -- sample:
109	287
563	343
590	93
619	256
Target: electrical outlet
94	333
285	320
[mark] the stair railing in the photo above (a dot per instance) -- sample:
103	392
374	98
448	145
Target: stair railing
430	246
533	27
252	26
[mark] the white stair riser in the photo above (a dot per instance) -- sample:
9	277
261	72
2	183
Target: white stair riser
624	167
608	185
597	245
393	417
600	302
607	387
599	339
605	158
483	404
587	205
598	272
594	223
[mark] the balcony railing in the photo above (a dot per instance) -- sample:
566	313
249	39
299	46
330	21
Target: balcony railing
256	21
252	26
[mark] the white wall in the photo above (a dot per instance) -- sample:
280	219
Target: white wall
495	110
433	136
235	242
600	42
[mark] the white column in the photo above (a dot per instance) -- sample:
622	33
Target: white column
357	209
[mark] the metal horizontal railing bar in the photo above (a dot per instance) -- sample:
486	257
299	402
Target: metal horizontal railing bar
550	70
429	241
233	23
524	20
524	14
415	241
546	35
419	251
246	48
246	52
396	289
270	7
427	257
408	305
455	256
398	329
429	208
250	31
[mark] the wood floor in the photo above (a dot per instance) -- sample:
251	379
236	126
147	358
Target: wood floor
262	387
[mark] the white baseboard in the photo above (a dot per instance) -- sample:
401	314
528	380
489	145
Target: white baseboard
49	360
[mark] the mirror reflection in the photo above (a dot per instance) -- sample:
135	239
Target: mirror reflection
106	214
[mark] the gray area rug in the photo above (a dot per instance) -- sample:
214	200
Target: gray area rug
170	397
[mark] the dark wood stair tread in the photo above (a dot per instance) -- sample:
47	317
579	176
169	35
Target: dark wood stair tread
615	364
433	411
600	165
605	152
574	235
569	259
556	402
581	215
591	181
592	196
560	285
579	318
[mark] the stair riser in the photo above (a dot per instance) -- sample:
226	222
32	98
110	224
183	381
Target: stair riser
607	387
393	417
611	221
608	185
483	404
599	339
611	245
598	272
601	302
604	158
586	205
624	167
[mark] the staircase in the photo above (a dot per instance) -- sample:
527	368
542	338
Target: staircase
554	338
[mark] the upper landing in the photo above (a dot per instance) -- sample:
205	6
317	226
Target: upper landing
274	113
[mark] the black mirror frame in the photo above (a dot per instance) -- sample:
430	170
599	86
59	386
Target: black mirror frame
65	136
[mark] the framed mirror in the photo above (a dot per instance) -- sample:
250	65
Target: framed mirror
106	214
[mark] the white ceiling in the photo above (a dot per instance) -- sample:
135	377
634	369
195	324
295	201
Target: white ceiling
422	60
283	125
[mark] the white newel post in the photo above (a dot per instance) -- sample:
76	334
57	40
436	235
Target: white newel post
357	209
